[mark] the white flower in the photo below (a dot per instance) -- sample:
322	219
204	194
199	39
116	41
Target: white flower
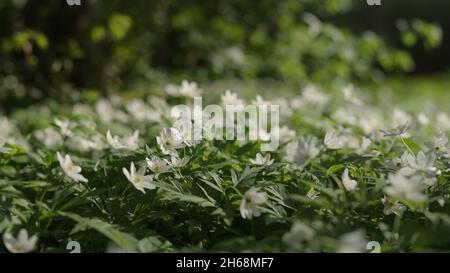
49	137
423	119
290	151
249	204
443	121
141	112
314	23
286	134
89	124
260	101
189	89
186	89
440	143
114	248
169	140
423	167
157	165
121	116
304	150
105	110
264	134
343	140
79	143
364	145
71	170
297	103
139	180
82	109
177	162
183	129
351	95
231	98
334	141
6	127
138	109
262	160
312	95
116	100
300	234
345	115
96	142
404	160
23	243
392	206
349	184
172	90
423	162
3	149
408	188
352	242
400	117
83	143
65	126
370	121
130	142
158	104
313	194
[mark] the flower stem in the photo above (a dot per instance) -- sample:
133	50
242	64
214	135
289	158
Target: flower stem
407	146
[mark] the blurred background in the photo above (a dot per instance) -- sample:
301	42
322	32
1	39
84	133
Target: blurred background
49	49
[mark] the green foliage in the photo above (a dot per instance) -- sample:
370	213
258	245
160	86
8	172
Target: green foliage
309	202
55	49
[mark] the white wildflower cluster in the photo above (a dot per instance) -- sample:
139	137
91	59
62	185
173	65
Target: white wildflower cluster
347	171
186	89
343	140
128	142
169	142
301	152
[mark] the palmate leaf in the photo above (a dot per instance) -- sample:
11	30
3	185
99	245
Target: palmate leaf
212	185
250	172
172	195
182	197
218	182
124	240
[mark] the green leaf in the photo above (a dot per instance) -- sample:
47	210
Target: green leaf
119	25
122	239
334	169
172	195
234	178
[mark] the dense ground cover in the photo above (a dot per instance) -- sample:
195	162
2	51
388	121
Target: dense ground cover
114	174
